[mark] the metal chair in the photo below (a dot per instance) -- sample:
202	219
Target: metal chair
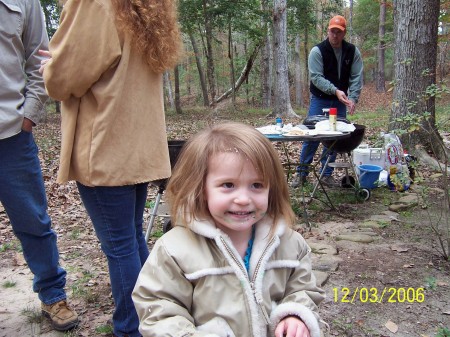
175	147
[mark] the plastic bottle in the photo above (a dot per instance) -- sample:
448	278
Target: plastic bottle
333	119
279	122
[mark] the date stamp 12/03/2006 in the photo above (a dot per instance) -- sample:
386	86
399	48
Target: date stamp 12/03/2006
375	295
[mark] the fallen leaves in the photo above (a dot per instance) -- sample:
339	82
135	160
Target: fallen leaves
391	326
399	249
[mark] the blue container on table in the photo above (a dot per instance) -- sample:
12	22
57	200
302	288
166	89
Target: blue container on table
369	175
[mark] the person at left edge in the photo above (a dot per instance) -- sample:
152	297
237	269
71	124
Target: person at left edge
22	190
106	64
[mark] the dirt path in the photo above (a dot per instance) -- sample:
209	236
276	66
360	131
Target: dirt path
20	307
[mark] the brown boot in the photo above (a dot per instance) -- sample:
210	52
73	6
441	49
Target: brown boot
63	317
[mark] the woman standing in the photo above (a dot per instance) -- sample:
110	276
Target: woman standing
106	63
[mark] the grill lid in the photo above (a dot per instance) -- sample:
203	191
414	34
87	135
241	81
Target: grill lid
311	121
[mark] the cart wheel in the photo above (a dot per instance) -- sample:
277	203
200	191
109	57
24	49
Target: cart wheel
362	194
167	225
348	182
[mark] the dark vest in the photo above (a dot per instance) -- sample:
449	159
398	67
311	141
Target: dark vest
330	67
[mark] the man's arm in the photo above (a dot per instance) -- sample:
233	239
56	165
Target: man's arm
34	38
355	81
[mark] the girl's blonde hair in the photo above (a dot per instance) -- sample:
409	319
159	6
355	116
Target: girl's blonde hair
185	190
153	24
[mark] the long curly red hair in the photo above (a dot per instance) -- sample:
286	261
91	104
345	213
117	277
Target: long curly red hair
154	27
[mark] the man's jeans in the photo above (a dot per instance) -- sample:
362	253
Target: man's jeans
117	215
309	148
22	194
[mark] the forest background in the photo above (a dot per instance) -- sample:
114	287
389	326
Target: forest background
230	46
254	53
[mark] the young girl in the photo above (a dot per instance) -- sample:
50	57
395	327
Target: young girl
232	265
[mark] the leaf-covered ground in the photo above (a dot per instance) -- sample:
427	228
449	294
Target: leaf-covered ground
407	256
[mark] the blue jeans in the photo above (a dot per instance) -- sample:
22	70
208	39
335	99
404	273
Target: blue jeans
22	194
309	148
117	215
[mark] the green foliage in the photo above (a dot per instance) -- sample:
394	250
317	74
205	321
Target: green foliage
366	19
244	16
300	16
52	12
13	245
6	246
9	284
150	204
75	234
157	234
104	329
430	283
443	332
81	290
437	91
33	316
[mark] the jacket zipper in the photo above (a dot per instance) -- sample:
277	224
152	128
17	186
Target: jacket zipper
258	298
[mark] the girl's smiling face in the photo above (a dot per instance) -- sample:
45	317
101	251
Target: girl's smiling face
235	192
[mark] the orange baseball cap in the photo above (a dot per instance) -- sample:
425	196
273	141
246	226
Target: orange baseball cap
338	22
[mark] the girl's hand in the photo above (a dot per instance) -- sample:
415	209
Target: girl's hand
47	54
291	326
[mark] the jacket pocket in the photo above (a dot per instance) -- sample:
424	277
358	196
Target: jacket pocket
217	327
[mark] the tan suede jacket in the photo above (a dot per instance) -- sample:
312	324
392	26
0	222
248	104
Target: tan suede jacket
195	284
113	124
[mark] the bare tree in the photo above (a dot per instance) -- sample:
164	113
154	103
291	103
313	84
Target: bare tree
168	86
201	73
210	70
298	74
177	90
282	106
381	48
266	61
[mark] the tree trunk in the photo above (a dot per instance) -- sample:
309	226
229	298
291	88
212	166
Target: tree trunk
201	74
266	62
305	48
177	90
168	86
298	74
416	29
381	47
282	106
230	56
209	52
350	22
247	90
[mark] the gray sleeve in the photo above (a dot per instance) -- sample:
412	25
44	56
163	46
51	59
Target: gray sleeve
356	73
315	65
34	38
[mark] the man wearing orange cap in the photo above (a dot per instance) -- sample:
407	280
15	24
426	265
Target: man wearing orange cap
335	70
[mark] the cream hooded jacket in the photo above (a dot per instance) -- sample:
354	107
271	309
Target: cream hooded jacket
195	284
112	121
